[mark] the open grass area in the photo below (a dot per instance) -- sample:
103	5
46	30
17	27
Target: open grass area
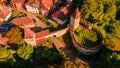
51	26
86	37
14	14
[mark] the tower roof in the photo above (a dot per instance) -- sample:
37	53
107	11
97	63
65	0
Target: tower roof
17	1
76	14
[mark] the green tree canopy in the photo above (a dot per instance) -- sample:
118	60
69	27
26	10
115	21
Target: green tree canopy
110	60
15	36
25	51
5	55
99	10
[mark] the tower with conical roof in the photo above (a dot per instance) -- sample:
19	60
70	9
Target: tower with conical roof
75	18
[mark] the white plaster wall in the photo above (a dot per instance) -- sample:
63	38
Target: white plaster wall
32	9
74	22
58	21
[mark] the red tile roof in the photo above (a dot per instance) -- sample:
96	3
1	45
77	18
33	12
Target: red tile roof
34	3
76	14
17	1
42	33
62	13
28	33
38	37
30	1
4	11
46	4
40	41
2	2
23	21
3	40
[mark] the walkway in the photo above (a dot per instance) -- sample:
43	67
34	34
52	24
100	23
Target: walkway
62	48
38	22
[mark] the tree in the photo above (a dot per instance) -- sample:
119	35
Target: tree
98	10
115	28
5	55
110	60
25	51
67	63
47	56
109	41
15	36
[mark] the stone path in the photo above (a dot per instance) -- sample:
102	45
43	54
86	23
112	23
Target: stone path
62	48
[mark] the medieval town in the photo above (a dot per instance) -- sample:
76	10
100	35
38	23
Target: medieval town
59	34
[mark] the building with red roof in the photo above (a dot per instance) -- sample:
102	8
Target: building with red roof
46	6
19	4
3	40
2	2
34	37
33	6
75	18
5	13
39	6
23	22
62	14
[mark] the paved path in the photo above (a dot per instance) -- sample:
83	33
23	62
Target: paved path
34	16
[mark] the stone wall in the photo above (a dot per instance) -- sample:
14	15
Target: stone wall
81	48
59	32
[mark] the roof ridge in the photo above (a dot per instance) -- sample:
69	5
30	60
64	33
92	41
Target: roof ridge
76	14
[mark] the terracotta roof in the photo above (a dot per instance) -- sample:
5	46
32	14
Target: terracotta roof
28	33
2	2
30	1
38	37
42	33
76	14
3	40
17	1
4	11
40	41
23	21
34	3
46	4
61	13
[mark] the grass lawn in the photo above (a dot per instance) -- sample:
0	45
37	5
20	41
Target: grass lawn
51	26
86	37
14	14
